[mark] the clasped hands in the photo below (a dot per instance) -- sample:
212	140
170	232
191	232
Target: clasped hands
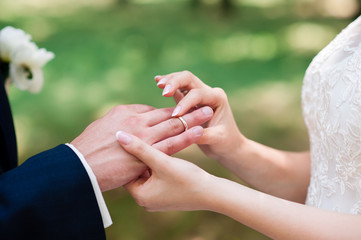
148	136
114	167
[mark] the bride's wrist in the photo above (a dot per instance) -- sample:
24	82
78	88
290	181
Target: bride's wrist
208	200
238	152
218	194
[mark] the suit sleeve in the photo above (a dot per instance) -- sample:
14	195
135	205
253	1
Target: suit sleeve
49	196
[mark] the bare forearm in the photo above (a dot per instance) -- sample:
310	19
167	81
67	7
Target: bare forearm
279	173
279	218
176	184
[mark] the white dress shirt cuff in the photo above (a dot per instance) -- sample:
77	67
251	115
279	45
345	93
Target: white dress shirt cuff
107	221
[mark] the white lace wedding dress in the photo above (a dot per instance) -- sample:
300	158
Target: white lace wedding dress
331	99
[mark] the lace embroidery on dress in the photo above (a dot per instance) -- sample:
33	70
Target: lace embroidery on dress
331	99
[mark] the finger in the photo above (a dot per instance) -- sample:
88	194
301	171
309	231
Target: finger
147	173
142	151
177	143
212	97
141	108
183	81
161	79
133	186
178	95
157	116
210	135
175	126
158	77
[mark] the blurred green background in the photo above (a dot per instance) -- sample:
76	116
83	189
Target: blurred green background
108	51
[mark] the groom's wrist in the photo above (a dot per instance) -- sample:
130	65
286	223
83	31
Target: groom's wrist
107	221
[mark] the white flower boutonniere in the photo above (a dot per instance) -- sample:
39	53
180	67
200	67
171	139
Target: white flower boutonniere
21	60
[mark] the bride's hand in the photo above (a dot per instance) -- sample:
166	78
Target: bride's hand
221	138
170	183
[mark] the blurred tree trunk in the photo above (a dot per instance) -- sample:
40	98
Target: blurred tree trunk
195	3
226	5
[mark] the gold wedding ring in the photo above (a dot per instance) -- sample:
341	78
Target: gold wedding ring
185	124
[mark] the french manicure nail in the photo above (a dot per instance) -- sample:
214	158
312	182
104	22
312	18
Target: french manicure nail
176	111
162	81
155	78
123	137
167	89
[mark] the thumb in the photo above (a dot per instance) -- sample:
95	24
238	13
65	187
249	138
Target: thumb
210	135
144	152
133	186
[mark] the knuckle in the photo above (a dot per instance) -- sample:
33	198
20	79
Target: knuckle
116	110
170	147
174	125
194	94
133	120
139	149
188	74
146	136
188	139
220	92
141	107
141	135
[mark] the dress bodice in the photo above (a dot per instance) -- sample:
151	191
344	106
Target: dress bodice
331	100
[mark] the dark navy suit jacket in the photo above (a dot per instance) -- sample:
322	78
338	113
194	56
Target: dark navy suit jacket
49	196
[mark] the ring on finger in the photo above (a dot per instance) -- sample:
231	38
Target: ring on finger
185	124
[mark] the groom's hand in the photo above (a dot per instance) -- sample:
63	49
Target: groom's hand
114	167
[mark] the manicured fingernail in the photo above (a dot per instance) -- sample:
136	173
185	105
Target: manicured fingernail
207	111
198	131
162	81
176	111
123	137
156	77
167	89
